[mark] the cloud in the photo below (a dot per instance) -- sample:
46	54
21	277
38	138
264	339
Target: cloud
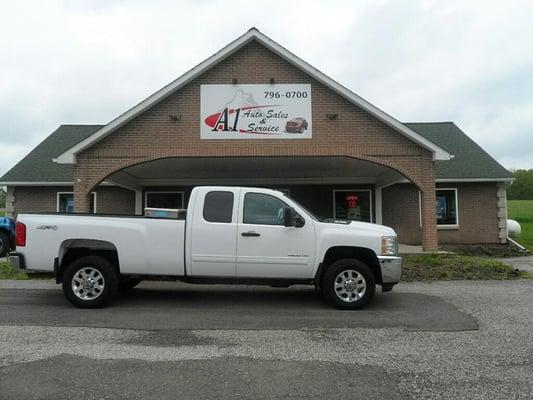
87	62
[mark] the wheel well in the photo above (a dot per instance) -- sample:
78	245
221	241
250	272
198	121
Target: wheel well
360	253
73	249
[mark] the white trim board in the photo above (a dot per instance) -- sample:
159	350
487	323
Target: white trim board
69	156
474	180
21	183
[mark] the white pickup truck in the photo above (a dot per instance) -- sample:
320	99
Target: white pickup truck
227	235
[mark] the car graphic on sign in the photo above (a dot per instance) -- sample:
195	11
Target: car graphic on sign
296	125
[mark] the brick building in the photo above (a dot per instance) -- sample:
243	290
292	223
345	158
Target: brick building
255	114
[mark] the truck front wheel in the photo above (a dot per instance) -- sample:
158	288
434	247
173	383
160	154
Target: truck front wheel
348	284
90	282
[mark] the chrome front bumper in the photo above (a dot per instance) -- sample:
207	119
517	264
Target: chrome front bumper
391	269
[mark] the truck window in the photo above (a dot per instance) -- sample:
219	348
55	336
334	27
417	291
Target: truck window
218	206
263	209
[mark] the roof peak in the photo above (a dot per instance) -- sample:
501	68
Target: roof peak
69	156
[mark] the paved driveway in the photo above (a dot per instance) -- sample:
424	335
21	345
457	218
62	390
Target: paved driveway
521	263
440	340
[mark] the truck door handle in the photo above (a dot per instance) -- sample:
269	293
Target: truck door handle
250	233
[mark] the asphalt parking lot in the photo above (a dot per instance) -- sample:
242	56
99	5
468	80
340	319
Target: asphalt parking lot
439	340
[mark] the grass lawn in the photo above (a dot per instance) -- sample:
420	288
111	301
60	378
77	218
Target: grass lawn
6	272
522	211
2	213
447	267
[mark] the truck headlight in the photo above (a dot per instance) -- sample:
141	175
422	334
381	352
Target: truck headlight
389	245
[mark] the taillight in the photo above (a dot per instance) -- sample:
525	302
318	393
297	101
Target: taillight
20	234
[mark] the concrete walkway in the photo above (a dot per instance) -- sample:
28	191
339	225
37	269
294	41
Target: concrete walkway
522	263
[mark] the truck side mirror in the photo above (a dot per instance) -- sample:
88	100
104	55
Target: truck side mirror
292	219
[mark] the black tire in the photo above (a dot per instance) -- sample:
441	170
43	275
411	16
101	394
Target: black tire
362	274
5	244
128	283
83	265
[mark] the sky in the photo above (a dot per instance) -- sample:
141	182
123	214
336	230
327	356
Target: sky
471	62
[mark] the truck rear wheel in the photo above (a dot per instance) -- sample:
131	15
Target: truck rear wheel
5	244
90	282
348	284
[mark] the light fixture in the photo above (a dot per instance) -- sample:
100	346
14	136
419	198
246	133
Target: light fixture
272	81
174	117
331	116
234	81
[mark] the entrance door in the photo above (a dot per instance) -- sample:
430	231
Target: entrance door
265	247
214	232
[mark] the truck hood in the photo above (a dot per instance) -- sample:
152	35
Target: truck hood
360	226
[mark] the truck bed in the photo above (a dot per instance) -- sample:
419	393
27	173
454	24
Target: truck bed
145	245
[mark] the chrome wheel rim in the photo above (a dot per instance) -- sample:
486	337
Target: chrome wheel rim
350	286
88	283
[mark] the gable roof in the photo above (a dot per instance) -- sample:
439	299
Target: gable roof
38	168
69	156
471	162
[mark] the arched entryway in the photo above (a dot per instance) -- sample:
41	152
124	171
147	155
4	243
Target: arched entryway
327	184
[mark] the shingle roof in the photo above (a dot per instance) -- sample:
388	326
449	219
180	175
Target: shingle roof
470	162
38	166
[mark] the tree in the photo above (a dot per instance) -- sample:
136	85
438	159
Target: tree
522	187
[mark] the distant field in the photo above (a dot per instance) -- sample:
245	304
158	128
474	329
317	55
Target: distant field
522	211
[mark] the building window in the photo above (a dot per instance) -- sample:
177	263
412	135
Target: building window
447	215
218	207
263	209
169	200
355	205
65	202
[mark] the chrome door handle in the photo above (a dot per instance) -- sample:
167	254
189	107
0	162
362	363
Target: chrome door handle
250	233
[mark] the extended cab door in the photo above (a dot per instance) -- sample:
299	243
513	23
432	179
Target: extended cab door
213	241
265	247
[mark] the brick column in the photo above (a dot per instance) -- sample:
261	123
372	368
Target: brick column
10	202
501	196
81	199
429	218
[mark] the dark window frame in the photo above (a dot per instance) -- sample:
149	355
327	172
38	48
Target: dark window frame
454	225
149	192
215	192
93	203
370	201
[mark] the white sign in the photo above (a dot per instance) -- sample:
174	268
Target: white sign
255	112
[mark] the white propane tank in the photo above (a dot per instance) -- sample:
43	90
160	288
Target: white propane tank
513	228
